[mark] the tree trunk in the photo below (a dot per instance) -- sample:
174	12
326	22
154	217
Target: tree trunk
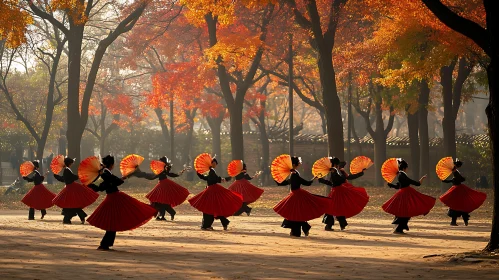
332	105
323	122
424	142
448	122
236	130
413	128
216	143
379	144
379	155
492	111
164	129
264	140
74	132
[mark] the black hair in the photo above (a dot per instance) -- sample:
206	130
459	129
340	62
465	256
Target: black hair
458	163
68	161
107	161
295	160
335	161
214	160
244	166
402	164
36	163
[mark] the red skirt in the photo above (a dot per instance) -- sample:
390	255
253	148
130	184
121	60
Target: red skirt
408	202
462	198
300	205
168	192
217	200
39	197
75	195
121	212
249	192
347	200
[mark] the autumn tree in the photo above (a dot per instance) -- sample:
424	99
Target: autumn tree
71	19
235	59
46	51
487	38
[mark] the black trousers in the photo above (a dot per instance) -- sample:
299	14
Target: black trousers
329	221
69	213
454	214
108	239
402	224
209	219
31	213
244	209
163	208
297	227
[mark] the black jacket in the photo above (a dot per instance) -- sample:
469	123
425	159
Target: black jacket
110	182
404	181
37	178
457	180
151	176
212	178
337	178
243	175
67	177
295	181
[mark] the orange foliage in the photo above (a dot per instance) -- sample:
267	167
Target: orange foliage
13	23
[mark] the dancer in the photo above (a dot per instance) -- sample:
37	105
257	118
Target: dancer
346	200
461	199
249	192
166	194
299	206
118	211
39	197
74	196
407	202
216	201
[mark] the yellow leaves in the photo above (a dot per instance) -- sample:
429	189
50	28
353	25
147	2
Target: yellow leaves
75	9
13	23
223	10
235	54
197	9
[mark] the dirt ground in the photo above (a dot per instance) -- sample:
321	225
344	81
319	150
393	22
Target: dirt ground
254	247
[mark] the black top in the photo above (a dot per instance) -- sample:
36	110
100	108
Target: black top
457	180
243	175
337	178
212	178
295	181
37	178
404	181
151	176
67	177
110	183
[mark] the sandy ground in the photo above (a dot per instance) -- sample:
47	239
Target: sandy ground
255	247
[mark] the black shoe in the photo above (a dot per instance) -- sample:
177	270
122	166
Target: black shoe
466	222
249	211
43	215
306	233
82	221
328	228
398	232
162	219
226	226
454	224
158	218
31	219
208	228
103	248
66	222
172	217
